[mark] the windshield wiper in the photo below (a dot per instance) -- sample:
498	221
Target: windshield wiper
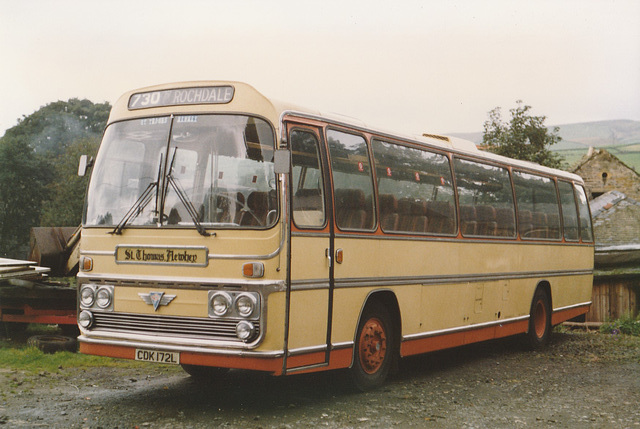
141	203
184	198
136	208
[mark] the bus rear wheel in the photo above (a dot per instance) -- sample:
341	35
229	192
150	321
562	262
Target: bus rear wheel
373	348
539	333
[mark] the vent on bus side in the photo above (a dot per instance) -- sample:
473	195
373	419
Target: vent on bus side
436	136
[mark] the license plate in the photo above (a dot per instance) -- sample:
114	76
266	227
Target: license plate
158	356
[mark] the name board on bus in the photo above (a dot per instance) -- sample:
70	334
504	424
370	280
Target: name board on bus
191	256
182	96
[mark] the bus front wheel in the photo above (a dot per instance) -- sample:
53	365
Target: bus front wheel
373	348
539	333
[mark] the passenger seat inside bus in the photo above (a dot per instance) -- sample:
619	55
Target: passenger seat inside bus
388	212
468	222
441	217
487	224
350	204
307	199
505	219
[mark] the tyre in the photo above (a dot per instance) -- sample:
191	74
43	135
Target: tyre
374	348
540	328
203	372
53	343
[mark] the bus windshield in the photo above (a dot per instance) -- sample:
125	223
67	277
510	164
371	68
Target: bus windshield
192	171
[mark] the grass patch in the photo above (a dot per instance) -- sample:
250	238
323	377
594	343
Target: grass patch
31	359
625	325
16	355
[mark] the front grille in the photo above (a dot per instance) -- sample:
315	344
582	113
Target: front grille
183	327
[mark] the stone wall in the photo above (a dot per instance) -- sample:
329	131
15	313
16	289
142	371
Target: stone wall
603	172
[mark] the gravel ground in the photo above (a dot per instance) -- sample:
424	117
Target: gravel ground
582	380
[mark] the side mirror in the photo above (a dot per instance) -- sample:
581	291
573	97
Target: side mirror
282	161
84	164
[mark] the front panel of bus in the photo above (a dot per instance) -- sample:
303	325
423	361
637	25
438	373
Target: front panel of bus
182	243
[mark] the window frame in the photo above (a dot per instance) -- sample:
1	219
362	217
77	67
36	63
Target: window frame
428	150
553	180
507	168
371	174
319	146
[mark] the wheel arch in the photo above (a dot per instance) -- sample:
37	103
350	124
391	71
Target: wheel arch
545	285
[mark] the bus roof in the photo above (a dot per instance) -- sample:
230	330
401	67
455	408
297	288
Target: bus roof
239	97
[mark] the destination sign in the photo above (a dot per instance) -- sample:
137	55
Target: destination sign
182	96
193	256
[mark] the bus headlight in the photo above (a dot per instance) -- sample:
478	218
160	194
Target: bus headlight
245	305
87	295
245	330
104	297
85	319
220	303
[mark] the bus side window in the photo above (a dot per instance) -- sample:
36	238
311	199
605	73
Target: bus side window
585	218
308	189
352	181
416	191
485	199
538	207
569	211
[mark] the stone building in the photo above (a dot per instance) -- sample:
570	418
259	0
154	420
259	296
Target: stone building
603	172
616	283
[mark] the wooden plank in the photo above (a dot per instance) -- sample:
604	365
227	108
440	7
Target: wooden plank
4	262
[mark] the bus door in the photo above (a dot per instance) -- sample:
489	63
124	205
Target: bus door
310	298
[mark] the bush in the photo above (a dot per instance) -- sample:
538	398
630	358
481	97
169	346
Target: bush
625	325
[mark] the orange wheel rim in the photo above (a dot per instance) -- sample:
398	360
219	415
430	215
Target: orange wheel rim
372	346
540	319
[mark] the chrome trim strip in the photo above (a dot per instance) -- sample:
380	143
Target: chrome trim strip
205	282
307	367
176	348
310	234
310	284
463	328
571	307
98	253
450	279
305	350
210	257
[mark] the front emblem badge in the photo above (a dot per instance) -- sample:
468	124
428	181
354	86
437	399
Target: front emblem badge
156	299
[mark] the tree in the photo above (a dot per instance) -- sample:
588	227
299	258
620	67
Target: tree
38	162
23	178
524	137
50	129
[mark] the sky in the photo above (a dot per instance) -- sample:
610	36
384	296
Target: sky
434	66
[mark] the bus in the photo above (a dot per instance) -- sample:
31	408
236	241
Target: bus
223	229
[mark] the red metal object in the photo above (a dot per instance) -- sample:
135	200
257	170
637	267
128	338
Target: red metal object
37	302
27	314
